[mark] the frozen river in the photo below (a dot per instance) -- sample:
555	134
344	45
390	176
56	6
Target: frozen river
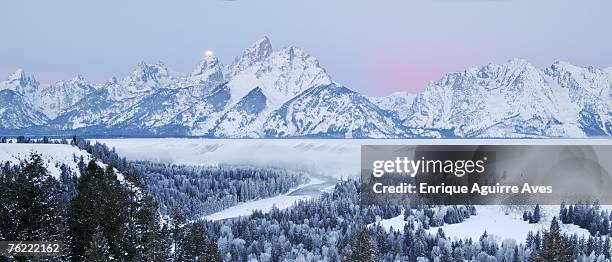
325	159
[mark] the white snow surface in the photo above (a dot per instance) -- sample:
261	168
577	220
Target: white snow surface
265	205
54	155
496	222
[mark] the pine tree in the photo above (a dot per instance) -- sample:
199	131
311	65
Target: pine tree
607	247
556	246
101	202
178	235
98	249
535	218
362	248
408	245
31	202
197	246
151	241
563	213
445	255
515	255
83	211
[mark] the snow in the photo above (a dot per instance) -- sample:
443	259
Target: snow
398	102
54	155
496	222
265	205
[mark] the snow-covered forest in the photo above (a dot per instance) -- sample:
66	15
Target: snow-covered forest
200	191
104	207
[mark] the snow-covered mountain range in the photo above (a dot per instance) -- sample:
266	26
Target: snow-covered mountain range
286	93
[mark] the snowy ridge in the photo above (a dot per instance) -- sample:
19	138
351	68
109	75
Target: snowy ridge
398	103
332	110
54	155
514	99
286	93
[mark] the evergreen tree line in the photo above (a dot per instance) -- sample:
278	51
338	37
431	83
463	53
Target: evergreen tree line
205	190
533	217
587	216
30	140
99	215
552	245
336	228
436	216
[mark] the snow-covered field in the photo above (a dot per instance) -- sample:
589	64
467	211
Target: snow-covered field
54	155
496	222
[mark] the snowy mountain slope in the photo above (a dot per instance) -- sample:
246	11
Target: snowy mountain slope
93	110
144	80
591	89
20	82
281	74
16	112
54	155
61	96
398	103
513	99
50	100
332	111
275	75
239	120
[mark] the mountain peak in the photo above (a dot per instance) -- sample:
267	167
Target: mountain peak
514	64
19	73
78	79
20	79
257	52
209	62
111	81
518	61
146	72
261	48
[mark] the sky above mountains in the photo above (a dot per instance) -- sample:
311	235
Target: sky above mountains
375	47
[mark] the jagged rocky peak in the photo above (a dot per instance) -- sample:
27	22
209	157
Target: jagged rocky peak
260	49
257	52
144	79
510	73
18	80
591	79
209	62
145	72
111	81
78	81
208	73
513	75
398	102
